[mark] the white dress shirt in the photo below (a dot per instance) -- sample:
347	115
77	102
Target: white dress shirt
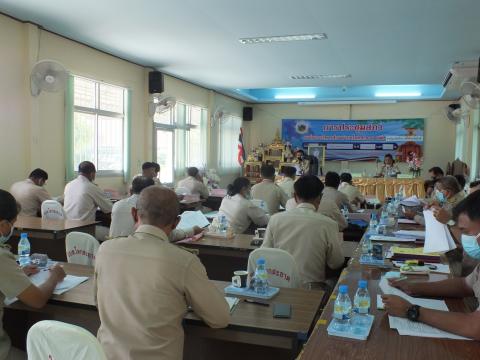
328	208
241	212
353	194
287	186
271	193
81	199
195	186
30	196
336	196
311	238
123	224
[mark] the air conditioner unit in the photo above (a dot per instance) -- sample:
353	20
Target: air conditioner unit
461	71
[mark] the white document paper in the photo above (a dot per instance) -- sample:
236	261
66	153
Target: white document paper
437	235
411	201
391	238
68	283
417	234
406	221
411	328
189	219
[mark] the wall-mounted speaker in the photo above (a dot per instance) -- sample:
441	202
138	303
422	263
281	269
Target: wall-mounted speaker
155	82
247	113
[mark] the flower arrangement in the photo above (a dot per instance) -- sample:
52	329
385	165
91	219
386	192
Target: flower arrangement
414	164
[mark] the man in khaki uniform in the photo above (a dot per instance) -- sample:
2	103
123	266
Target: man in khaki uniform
194	183
311	238
330	192
14	282
467	216
144	285
30	193
268	191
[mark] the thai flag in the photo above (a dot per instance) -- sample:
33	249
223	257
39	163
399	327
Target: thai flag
241	151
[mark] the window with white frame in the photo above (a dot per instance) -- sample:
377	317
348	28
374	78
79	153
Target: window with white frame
229	131
180	140
98	125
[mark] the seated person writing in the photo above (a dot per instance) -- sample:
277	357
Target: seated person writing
239	210
30	193
194	183
354	195
144	286
330	192
389	168
310	237
268	191
14	282
467	215
122	221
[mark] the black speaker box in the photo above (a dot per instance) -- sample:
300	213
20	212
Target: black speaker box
247	113
155	82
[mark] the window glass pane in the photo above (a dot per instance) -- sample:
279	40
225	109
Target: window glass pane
111	98
110	143
164	152
84	92
83	138
229	131
164	117
195	144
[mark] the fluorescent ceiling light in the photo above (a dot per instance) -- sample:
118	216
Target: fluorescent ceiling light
294	97
398	94
322	76
346	102
283	38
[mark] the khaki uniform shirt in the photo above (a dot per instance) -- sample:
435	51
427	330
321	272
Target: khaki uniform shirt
143	286
194	186
330	193
271	193
353	194
81	199
327	208
13	282
241	212
30	196
311	238
287	186
123	225
473	281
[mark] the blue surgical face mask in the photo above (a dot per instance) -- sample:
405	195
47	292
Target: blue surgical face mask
4	238
471	247
440	197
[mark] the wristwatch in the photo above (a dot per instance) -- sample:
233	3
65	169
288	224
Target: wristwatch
413	313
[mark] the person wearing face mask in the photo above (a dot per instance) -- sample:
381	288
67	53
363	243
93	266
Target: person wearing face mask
14	280
122	221
467	216
143	285
310	237
30	193
302	161
239	210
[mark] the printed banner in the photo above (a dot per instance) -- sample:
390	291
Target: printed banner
357	140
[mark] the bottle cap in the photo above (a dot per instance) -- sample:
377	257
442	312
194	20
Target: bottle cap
23	235
260	261
343	289
362	284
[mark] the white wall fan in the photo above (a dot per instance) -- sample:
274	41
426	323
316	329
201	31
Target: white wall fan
161	105
218	116
455	113
47	75
470	90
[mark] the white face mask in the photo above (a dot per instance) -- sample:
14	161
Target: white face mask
4	238
470	245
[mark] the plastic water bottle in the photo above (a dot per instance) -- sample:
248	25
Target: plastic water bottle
342	310
23	250
260	284
361	304
223	223
384	217
345	212
373	225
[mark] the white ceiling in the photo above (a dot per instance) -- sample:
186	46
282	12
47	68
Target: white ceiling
376	41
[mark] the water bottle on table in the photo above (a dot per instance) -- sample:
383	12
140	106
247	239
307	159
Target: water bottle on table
23	250
373	225
345	212
342	310
260	278
361	304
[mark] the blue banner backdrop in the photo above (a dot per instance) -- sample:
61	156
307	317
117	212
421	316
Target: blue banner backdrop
357	140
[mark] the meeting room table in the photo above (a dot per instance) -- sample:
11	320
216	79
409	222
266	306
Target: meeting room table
251	325
47	236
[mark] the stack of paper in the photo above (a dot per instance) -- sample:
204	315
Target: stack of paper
406	221
407	327
416	234
190	219
437	235
391	238
411	201
404	253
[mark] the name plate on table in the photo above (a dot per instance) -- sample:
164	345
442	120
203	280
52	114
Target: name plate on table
232	290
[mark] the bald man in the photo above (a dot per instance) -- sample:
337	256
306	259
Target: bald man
144	285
